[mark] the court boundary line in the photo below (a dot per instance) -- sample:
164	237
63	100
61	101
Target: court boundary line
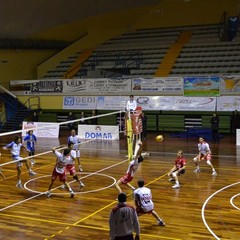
107	206
232	199
205	204
76	193
27	199
78	226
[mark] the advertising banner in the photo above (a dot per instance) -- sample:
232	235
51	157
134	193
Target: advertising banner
43	129
79	102
194	103
202	86
98	132
167	85
155	102
230	85
96	85
112	102
228	103
146	102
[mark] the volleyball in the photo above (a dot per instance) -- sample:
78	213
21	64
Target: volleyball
159	138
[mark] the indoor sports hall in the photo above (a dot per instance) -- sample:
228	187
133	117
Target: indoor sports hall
75	70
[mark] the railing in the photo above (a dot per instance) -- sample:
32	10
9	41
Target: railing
6	91
33	102
121	60
222	27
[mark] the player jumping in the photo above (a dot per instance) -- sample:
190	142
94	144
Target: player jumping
132	168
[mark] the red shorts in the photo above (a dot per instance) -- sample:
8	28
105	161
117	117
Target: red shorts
126	179
141	212
62	176
71	169
207	158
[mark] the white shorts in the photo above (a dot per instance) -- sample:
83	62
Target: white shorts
76	154
19	163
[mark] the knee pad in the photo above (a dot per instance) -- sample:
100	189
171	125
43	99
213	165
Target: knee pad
75	177
208	163
174	174
182	171
195	159
140	158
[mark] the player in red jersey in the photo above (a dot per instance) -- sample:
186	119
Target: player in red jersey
59	170
132	168
204	154
144	203
177	169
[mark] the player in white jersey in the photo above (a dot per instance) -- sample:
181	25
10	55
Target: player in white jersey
60	170
76	147
70	166
204	154
144	203
15	147
131	104
132	168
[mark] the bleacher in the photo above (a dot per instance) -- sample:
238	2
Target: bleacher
62	67
205	54
139	54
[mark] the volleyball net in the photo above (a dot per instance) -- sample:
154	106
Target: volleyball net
103	122
107	126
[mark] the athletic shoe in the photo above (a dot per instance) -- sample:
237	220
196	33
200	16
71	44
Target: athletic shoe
214	173
176	186
19	185
171	179
197	170
80	169
48	194
31	173
71	194
161	223
63	186
82	185
32	162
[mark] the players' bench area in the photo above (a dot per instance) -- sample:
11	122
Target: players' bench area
224	124
165	121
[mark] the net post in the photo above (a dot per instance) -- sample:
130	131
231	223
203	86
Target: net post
129	138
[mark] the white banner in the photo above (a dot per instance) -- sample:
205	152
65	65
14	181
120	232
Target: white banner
146	102
228	103
238	137
112	102
43	129
167	85
79	102
194	103
98	132
155	103
96	85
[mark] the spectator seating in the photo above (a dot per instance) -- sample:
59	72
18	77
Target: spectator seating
139	54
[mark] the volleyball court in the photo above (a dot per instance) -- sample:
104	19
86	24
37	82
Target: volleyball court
36	168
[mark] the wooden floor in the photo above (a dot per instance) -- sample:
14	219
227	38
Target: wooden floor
205	207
